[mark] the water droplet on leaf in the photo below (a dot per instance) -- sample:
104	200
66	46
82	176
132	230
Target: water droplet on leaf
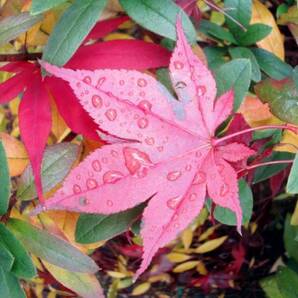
111	114
142	123
200	177
112	176
172	176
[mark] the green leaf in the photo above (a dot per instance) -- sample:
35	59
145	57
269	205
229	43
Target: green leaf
228	217
39	6
292	185
263	173
270	287
215	56
51	248
4	181
6	258
295	76
57	161
273	66
93	227
83	284
282	97
163	76
239	10
22	265
10	286
290	241
214	30
235	74
12	27
241	52
287	281
254	33
159	17
71	30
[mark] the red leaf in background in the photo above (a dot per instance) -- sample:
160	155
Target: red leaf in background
35	125
277	180
103	28
70	109
128	54
13	86
18	66
191	8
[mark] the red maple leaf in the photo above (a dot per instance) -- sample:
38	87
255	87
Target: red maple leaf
169	153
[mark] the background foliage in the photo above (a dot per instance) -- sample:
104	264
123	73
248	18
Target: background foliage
250	45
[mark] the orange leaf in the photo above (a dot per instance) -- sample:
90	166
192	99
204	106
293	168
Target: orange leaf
274	42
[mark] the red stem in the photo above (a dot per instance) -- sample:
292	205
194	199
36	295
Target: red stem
262	164
286	126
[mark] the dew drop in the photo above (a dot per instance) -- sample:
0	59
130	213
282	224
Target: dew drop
178	65
201	90
136	116
198	154
224	189
83	201
220	168
114	153
87	80
78	177
76	189
149	141
142	83
200	177
145	105
78	84
188	168
104	160
173	202
136	161
111	114
142	123
173	176
176	225
121	82
142	93
160	148
96	165
91	183
112	176
100	82
110	203
192	197
96	101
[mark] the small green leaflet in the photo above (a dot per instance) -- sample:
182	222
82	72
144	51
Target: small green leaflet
39	6
71	29
292	185
12	27
159	17
10	286
51	248
4	181
238	78
93	227
57	162
22	265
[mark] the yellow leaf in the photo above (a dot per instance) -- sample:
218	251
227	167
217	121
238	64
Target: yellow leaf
201	268
186	238
208	233
294	218
199	53
185	266
141	289
163	277
253	227
16	154
211	245
288	143
175	257
85	285
116	274
274	42
59	127
113	36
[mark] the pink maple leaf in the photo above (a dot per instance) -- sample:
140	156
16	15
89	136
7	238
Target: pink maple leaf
167	149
